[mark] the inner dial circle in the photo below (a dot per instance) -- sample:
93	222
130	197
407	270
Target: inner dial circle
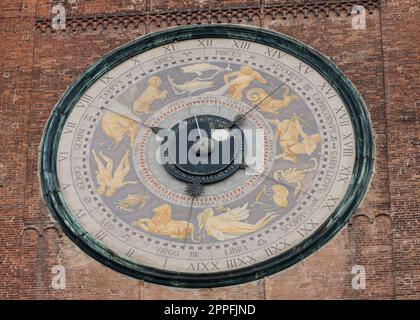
227	183
195	157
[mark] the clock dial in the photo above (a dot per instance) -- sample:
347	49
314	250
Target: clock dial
206	160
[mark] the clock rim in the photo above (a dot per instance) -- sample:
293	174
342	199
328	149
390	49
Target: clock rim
358	186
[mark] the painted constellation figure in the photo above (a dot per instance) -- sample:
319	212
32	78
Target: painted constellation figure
109	181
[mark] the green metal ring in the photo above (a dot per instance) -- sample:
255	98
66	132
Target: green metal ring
361	176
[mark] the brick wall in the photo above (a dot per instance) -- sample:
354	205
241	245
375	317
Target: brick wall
37	64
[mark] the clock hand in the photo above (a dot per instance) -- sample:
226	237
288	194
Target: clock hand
194	190
198	126
188	222
155	130
200	141
190	107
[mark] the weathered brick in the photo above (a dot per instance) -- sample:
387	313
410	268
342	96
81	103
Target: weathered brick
382	61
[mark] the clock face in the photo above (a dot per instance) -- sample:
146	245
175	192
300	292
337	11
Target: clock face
206	156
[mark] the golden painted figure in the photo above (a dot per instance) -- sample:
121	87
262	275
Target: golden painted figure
234	87
269	104
295	176
280	194
200	68
108	181
138	199
230	224
163	224
293	140
189	86
243	79
150	95
262	204
116	126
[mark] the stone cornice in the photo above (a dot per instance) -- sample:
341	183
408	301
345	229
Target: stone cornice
242	14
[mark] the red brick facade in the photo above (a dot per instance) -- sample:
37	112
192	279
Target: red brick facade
382	60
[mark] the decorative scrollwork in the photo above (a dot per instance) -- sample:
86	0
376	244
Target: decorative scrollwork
245	14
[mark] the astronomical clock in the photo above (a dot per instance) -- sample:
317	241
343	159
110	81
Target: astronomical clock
205	156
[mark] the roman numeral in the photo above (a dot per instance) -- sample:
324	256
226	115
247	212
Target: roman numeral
169	47
274	53
79	213
344	174
327	90
106	79
203	266
194	254
62	156
344	119
348	136
330	202
202	43
100	235
303	68
307	228
64	186
69	127
238	262
344	122
231	263
136	61
348	150
278	247
241	44
129	253
84	101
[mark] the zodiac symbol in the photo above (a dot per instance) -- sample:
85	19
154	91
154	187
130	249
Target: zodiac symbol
243	78
187	53
138	199
109	183
289	132
293	175
190	86
197	83
230	224
163	224
269	104
278	195
263	205
150	95
200	68
116	126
